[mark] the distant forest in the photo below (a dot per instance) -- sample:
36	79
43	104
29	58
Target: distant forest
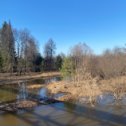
19	52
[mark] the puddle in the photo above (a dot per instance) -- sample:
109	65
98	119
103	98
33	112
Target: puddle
53	79
60	94
123	100
44	81
7	93
83	100
106	99
43	93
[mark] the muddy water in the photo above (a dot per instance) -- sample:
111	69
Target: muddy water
105	113
64	114
7	93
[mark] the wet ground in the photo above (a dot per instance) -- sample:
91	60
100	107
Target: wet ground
107	111
66	114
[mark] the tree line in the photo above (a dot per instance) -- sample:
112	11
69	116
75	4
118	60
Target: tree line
82	63
19	52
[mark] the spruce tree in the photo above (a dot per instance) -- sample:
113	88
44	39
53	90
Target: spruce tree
7	47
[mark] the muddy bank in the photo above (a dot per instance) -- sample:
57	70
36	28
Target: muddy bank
13	79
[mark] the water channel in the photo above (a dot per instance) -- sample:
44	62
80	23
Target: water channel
105	113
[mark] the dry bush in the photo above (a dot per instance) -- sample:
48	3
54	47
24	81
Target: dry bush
88	67
86	84
89	70
93	67
113	63
116	85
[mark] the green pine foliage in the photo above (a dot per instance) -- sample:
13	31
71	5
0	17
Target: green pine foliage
67	69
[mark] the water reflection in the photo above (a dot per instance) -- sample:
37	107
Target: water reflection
65	114
45	80
7	93
106	99
23	93
53	79
43	93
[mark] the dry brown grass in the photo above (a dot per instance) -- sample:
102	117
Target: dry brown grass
34	86
86	88
90	88
115	85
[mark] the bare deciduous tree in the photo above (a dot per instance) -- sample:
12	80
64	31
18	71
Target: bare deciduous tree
26	48
49	51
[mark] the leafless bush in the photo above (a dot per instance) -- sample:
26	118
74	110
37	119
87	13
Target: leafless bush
113	62
119	91
85	69
80	54
89	68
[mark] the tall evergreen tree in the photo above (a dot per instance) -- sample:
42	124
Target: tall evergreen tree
7	47
58	62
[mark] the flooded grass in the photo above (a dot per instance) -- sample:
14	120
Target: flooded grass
104	113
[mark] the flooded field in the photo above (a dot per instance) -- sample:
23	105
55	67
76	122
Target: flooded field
107	111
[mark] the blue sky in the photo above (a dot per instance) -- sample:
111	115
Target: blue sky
100	24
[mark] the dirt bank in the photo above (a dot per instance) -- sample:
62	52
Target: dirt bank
6	78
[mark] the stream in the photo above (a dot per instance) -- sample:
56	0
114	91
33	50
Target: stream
105	113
